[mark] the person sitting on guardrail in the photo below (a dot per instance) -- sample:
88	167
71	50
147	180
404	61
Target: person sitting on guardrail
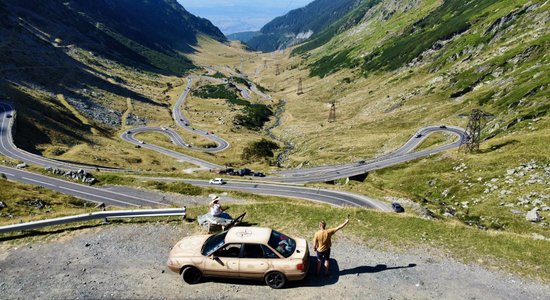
216	209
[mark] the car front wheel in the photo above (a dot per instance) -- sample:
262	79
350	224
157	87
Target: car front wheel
275	280
191	275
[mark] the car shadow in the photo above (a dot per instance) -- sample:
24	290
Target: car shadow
312	280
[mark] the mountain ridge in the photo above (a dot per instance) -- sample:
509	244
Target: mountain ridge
299	24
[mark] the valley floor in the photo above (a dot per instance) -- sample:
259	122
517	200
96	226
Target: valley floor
128	262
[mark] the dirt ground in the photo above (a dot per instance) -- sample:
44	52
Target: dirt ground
127	261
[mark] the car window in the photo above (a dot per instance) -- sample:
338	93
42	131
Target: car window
253	251
282	243
268	253
229	250
213	243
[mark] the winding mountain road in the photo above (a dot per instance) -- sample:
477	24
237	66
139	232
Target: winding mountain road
8	148
317	174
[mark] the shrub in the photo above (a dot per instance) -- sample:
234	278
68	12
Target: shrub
262	149
255	116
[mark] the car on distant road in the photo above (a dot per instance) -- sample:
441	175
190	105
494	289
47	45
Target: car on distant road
241	252
164	128
219	181
397	207
361	162
128	132
245	172
418	135
258	174
141	142
442	126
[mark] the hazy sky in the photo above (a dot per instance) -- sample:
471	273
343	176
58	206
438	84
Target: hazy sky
241	15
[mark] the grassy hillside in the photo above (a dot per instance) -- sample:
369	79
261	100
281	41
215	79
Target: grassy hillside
77	74
398	66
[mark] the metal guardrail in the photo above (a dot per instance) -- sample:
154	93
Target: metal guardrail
94	216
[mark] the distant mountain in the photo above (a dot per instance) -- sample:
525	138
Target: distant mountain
243	36
96	53
152	33
300	24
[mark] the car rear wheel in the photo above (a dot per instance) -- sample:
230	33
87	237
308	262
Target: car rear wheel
275	280
191	275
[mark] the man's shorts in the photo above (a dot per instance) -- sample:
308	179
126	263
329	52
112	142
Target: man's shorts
323	255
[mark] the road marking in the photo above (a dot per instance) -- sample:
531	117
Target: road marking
38	181
98	196
137	198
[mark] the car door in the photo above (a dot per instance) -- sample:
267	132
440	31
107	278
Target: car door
224	262
254	261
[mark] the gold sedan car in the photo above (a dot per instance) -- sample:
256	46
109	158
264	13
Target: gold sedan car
241	252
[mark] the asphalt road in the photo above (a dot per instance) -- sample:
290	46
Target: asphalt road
336	198
403	154
81	191
8	148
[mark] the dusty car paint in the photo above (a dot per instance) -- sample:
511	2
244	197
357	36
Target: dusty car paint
244	252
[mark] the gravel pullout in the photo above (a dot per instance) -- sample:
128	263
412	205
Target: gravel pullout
127	261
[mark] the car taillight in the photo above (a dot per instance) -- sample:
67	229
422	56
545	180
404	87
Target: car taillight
300	267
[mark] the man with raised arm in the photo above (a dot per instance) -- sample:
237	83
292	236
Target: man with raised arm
322	243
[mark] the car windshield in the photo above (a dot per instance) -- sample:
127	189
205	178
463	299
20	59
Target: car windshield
282	243
213	243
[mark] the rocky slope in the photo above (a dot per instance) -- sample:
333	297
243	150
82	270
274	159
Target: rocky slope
97	55
395	66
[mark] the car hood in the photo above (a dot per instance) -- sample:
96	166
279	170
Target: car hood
189	246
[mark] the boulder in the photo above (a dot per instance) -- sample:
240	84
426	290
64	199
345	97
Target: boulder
533	215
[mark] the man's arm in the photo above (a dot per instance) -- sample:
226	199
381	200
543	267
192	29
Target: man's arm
342	225
315	243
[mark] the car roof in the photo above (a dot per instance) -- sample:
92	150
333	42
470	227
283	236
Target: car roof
258	235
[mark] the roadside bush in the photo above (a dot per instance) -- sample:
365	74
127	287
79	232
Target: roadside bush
262	149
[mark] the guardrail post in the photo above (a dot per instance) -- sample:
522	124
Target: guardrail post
184	215
102	205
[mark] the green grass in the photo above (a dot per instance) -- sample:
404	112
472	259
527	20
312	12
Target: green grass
175	187
22	203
